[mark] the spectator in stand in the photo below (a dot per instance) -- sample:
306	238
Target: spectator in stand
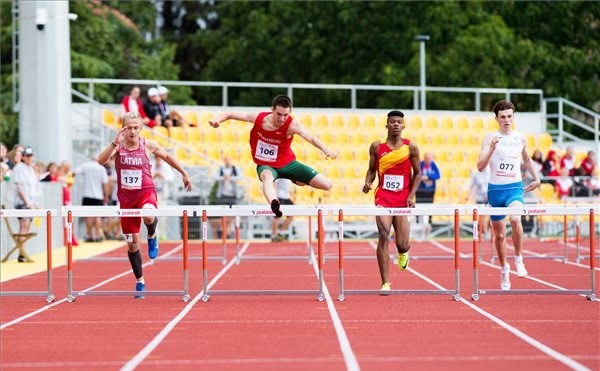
226	177
95	193
594	183
26	191
478	193
564	184
133	103
537	162
66	177
15	156
152	108
4	162
51	174
568	161
168	113
430	173
588	164
550	168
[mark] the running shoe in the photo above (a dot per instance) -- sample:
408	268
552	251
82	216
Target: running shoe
505	277
403	261
521	271
153	247
385	288
139	286
275	208
278	238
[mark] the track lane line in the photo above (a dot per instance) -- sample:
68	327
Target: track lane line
45	308
347	352
513	330
155	342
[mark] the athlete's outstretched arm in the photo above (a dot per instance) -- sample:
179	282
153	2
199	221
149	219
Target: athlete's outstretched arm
371	171
297	128
240	116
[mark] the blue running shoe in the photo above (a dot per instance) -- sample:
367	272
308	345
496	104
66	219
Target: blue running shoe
139	286
152	247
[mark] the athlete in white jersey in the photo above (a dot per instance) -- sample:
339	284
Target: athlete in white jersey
503	151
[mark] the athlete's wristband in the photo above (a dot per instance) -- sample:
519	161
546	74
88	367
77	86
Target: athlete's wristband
113	144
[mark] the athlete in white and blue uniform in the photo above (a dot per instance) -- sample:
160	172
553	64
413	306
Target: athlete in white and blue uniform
503	151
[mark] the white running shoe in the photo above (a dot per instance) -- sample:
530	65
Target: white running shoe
505	277
521	271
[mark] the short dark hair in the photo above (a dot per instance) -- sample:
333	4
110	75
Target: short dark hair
502	105
395	113
282	101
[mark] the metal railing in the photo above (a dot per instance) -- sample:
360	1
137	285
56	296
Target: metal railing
573	114
352	89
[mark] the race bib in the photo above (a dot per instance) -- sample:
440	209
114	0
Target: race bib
266	151
508	167
394	183
131	179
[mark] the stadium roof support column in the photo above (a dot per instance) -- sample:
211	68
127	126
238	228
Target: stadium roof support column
45	79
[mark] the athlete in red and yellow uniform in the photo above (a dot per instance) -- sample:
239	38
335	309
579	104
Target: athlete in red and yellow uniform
136	187
270	140
398	165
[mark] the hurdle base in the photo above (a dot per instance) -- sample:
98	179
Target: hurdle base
454	293
183	294
590	295
320	296
49	296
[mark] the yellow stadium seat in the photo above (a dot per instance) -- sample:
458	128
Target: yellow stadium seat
477	124
109	118
447	123
249	170
531	142
467	139
346	153
436	139
368	122
452	138
431	122
492	124
414	122
205	117
462	123
321	122
547	192
161	135
192	135
381	121
306	120
191	117
146	133
544	141
462	171
472	156
177	133
210	134
337	122
353	122
457	156
226	135
181	153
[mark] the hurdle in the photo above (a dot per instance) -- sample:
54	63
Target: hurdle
83	211
590	210
577	201
258	211
238	257
378	211
48	214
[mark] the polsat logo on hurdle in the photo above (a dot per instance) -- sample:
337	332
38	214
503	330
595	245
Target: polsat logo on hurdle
400	211
534	211
129	213
262	212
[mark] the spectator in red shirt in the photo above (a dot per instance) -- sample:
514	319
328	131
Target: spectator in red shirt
568	161
564	184
588	164
133	103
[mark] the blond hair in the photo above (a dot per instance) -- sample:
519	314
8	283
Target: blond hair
131	116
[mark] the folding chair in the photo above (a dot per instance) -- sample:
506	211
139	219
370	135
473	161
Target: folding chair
20	239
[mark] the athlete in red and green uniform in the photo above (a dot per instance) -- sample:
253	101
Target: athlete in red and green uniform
270	141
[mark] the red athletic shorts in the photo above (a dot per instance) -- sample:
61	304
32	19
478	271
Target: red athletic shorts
131	224
391	200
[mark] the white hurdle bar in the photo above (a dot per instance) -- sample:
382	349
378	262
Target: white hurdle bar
260	211
48	214
84	211
378	211
590	210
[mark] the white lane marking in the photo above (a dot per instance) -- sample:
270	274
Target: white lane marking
45	308
346	348
142	354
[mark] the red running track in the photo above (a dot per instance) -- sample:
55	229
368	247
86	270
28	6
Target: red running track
297	332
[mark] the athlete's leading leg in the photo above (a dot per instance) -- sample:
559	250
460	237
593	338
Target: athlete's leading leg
402	231
517	238
384	223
